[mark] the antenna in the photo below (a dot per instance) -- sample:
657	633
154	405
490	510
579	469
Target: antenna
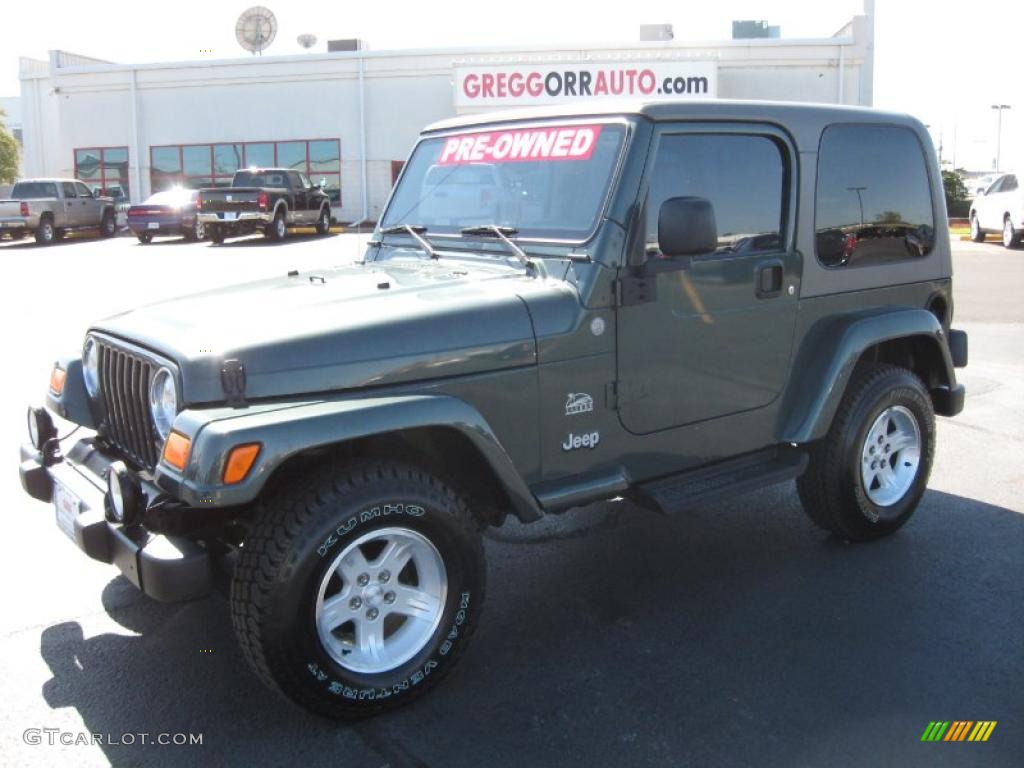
256	29
307	40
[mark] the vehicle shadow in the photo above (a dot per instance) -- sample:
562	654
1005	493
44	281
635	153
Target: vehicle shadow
730	635
258	240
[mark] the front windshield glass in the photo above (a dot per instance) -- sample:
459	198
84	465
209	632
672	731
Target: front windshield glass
547	182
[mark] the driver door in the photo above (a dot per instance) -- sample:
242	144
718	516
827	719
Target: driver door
711	335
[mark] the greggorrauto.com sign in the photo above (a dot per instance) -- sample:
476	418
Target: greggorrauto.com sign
523	84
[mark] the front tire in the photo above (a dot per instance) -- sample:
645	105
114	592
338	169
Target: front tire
976	234
866	478
1010	236
108	225
323	221
358	589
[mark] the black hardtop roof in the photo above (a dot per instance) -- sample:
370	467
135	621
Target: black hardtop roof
802	120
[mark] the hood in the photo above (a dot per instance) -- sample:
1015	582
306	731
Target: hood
355	326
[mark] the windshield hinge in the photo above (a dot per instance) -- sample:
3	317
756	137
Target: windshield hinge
232	380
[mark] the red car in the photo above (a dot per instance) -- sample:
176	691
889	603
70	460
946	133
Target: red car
172	212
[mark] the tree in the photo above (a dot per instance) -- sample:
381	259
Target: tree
953	184
8	153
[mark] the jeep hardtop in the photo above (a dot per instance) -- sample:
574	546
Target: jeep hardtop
665	302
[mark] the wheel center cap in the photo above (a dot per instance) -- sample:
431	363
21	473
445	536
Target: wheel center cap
373	596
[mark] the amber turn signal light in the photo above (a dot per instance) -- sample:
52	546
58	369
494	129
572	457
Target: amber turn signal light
57	378
240	461
176	450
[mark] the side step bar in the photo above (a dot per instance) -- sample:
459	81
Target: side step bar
727	478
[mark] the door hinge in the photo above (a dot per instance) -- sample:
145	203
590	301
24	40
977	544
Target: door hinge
636	289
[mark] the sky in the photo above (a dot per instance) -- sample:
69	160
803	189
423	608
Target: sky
945	62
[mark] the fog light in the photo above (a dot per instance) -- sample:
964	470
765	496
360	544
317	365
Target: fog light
40	427
123	502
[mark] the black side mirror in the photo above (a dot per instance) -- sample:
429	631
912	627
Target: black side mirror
686	227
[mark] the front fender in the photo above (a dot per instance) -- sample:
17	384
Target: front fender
286	429
73	403
830	352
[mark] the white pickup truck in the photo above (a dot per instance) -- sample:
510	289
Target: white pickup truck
1000	208
50	207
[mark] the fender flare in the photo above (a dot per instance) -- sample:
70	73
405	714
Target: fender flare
287	429
829	354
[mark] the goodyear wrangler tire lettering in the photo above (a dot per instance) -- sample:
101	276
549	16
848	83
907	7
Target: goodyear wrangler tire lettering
291	570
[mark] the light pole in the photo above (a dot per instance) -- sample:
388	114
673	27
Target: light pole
860	201
999	130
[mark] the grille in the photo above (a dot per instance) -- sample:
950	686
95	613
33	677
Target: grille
124	384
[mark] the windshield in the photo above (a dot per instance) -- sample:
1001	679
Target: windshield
34	190
547	182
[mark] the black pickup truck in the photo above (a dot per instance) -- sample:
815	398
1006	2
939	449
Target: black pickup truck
263	199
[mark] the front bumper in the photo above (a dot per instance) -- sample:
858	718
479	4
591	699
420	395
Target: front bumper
167	568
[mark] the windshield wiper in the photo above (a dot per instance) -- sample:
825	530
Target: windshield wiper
415	231
504	234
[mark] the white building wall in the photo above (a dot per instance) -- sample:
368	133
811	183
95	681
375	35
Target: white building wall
71	102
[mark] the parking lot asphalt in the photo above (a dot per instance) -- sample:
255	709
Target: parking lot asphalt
733	634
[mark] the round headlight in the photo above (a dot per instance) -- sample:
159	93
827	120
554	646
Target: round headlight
163	401
91	366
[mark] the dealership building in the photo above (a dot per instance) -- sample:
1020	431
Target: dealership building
350	118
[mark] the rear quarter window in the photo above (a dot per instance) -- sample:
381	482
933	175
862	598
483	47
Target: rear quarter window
873	200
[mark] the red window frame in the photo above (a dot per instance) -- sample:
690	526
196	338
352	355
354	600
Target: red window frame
125	184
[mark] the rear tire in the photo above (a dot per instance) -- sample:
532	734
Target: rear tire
340	625
145	238
976	234
867	476
215	233
46	233
277	230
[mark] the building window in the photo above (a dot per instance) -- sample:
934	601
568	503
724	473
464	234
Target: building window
104	170
214	165
396	170
743	176
873	201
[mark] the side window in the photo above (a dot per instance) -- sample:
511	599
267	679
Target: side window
295	180
83	191
995	186
305	180
1009	184
873	200
743	176
69	189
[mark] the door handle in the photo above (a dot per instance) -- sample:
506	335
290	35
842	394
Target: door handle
769	280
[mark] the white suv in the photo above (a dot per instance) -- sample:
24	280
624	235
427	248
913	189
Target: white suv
999	209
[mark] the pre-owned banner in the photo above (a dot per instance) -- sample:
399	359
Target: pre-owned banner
523	84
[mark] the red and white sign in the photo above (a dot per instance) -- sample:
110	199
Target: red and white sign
566	142
517	85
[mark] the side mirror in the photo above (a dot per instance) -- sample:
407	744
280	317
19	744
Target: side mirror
686	227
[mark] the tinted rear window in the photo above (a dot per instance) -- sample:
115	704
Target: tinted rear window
253	179
873	202
34	190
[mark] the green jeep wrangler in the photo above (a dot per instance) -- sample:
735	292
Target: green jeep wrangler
668	303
